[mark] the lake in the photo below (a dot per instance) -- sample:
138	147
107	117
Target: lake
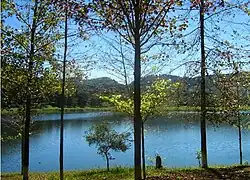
175	137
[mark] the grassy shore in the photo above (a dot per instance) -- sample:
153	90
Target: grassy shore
51	110
215	173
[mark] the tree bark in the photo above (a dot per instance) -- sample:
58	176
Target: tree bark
26	139
240	144
143	151
238	115
28	95
22	150
203	90
107	160
63	93
137	95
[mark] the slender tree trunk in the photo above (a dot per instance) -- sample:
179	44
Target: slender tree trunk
203	90
28	95
143	151
22	142
240	142
107	161
22	150
26	139
63	93
124	69
238	114
137	95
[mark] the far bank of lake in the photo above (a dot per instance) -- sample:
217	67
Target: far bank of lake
54	110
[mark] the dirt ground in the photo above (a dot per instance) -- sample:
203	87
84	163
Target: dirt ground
234	173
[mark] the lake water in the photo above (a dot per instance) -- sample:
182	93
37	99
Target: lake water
176	138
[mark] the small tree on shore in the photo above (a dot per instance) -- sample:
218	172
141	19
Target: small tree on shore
107	139
231	98
154	99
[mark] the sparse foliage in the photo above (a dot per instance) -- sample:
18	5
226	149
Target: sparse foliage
106	139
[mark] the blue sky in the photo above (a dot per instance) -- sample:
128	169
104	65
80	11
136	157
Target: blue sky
235	23
90	48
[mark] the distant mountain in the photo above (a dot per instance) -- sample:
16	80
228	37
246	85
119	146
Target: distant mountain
110	85
151	78
103	85
88	91
190	82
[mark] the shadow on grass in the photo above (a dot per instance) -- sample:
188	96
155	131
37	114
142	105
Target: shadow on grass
237	172
4	175
213	173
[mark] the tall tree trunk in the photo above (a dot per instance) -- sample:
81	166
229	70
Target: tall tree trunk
238	112
28	95
143	151
63	93
22	141
26	138
137	95
107	161
240	142
203	91
22	149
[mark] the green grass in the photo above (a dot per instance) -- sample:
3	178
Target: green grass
181	108
50	110
192	108
120	173
113	174
74	109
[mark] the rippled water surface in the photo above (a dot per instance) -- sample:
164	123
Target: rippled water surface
176	138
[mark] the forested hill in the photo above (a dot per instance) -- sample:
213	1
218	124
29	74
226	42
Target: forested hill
93	88
88	91
103	84
190	82
108	85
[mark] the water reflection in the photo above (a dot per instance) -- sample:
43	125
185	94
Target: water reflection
73	116
176	138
